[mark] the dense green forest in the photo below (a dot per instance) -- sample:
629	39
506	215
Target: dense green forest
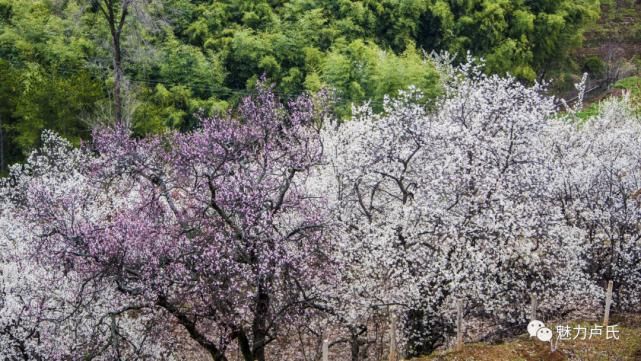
69	65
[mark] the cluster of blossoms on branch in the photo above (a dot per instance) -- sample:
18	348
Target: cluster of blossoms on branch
264	232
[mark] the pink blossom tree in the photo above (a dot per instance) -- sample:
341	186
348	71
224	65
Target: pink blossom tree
211	229
47	309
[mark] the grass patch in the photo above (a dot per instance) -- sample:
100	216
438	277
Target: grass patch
589	111
632	84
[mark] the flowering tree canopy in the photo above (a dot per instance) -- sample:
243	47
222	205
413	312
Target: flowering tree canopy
258	234
50	309
598	184
448	205
211	227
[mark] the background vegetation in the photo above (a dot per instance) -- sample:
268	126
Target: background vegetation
181	57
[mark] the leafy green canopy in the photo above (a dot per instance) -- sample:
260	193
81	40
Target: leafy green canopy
182	57
527	38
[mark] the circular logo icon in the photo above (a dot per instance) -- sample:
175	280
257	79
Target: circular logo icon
544	334
534	326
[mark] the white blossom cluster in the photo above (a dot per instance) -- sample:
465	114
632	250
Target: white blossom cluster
597	184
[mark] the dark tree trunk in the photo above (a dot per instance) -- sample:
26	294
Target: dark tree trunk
192	329
244	347
260	338
355	346
259	327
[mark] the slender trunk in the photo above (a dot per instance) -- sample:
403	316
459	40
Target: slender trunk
259	327
393	354
542	76
116	24
117	62
244	347
355	346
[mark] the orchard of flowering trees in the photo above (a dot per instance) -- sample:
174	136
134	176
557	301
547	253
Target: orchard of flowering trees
264	232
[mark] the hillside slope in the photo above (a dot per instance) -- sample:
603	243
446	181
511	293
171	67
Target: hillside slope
523	348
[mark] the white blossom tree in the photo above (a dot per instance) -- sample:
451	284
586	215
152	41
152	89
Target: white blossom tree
597	186
451	204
